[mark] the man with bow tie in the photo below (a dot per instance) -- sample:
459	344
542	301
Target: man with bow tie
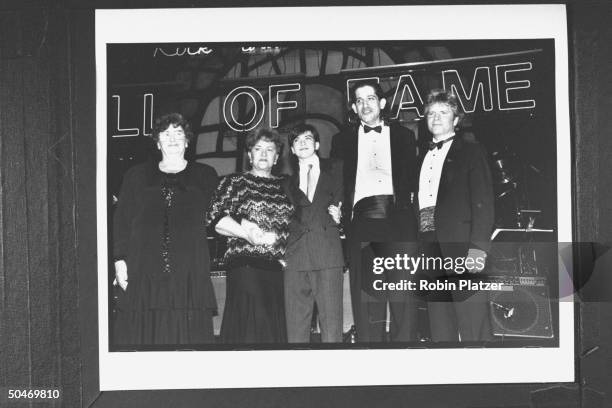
379	183
456	211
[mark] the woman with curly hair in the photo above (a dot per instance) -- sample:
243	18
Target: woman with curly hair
160	248
252	209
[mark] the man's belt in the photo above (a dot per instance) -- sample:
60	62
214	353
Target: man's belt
379	206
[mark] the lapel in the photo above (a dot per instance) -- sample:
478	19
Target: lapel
351	154
447	168
320	190
396	158
324	179
300	200
322	183
350	140
297	195
423	149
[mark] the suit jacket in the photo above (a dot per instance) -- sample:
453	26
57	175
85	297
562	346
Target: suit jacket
314	238
464	207
404	171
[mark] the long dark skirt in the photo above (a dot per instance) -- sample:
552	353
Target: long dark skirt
163	327
254	307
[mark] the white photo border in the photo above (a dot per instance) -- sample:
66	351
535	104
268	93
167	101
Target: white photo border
296	368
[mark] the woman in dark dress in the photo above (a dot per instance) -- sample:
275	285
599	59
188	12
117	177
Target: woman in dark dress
159	246
253	211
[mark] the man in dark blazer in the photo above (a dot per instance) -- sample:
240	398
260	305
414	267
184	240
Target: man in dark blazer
314	271
456	212
379	184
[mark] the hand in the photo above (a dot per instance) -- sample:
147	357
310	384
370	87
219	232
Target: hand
257	236
335	212
254	234
268	238
477	262
121	275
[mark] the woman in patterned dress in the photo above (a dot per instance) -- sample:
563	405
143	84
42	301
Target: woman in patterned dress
159	246
253	211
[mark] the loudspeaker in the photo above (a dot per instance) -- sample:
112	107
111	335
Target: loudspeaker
521	308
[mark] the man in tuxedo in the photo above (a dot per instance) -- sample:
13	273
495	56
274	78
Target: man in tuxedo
456	212
314	252
379	183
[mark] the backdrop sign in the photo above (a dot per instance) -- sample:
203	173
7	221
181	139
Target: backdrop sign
481	88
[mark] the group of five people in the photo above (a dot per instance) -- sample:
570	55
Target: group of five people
284	252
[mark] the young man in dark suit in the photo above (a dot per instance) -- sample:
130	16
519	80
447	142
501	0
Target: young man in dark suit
456	211
379	183
314	252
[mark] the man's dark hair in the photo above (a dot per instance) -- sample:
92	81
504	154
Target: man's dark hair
366	82
300	129
353	118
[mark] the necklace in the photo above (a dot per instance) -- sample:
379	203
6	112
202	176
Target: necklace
269	175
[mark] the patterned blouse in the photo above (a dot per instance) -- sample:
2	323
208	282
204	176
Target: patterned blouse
261	200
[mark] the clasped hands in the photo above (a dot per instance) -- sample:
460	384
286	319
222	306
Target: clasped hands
256	236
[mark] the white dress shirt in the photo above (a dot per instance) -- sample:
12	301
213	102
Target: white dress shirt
431	172
373	164
314	175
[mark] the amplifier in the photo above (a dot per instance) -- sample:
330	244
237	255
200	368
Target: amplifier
521	308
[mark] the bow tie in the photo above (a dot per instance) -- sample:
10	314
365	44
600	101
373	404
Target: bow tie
367	128
433	145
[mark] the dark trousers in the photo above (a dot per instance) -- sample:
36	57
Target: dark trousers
454	315
372	238
305	288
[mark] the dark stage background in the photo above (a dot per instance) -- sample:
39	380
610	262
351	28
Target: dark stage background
148	80
48	325
145	81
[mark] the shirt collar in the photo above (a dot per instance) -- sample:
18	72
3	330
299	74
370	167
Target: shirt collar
380	123
314	160
444	138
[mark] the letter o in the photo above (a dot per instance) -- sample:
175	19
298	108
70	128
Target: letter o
258	110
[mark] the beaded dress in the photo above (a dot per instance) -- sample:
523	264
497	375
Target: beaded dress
159	230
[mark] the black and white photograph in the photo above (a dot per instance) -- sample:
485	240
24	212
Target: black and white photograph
228	204
225	98
345	200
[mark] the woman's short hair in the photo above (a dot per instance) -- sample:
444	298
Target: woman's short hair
446	97
302	128
162	123
267	134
